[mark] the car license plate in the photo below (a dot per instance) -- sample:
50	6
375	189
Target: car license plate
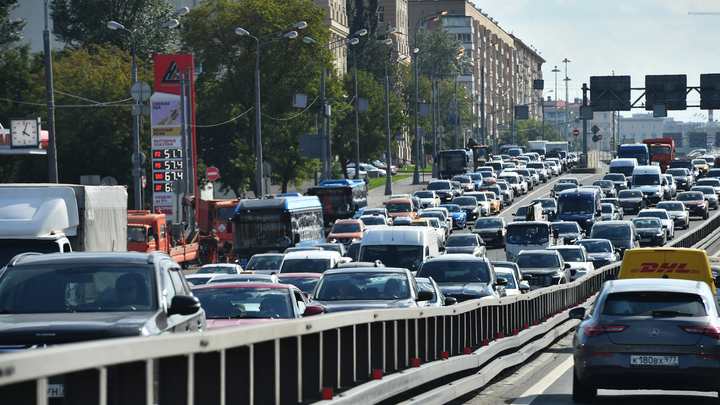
669	361
56	390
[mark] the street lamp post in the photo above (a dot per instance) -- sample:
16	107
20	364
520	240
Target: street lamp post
258	130
386	41
327	159
388	175
433	17
137	175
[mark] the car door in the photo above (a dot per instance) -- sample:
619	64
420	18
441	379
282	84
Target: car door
172	284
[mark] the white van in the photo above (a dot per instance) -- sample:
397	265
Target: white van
649	180
399	246
624	166
513	179
529	236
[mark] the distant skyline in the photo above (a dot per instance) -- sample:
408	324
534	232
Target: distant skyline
634	38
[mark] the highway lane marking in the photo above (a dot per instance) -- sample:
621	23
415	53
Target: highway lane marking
529	396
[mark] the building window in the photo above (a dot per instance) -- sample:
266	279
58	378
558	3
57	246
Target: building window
381	15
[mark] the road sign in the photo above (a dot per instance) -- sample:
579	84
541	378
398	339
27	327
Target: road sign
595	129
600	136
140	91
144	181
576	132
595	138
212	173
612	143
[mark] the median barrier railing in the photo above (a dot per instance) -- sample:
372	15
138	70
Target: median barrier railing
353	357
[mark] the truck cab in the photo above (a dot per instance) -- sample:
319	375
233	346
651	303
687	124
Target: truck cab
149	232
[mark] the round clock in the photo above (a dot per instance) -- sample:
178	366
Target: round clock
24	133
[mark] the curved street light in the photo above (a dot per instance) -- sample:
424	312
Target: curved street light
136	118
258	130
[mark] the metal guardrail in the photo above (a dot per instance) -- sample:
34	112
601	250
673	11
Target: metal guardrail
359	357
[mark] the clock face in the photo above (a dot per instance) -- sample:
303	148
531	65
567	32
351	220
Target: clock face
24	133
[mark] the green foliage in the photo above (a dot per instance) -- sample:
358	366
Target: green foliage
438	49
10	29
529	130
226	87
81	23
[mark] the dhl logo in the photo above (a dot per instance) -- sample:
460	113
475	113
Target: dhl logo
664	268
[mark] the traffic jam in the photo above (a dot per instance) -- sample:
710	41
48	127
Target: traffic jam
488	227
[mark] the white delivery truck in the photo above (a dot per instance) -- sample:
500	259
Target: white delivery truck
528	236
52	218
399	246
538	147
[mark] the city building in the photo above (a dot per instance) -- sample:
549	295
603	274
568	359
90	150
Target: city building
505	68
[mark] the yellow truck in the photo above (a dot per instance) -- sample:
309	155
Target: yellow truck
673	263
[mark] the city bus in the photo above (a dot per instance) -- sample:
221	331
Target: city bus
340	199
274	224
455	161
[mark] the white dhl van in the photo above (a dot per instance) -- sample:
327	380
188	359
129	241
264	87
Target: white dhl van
399	246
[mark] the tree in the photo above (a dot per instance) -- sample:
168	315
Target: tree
10	30
437	51
528	130
80	23
226	86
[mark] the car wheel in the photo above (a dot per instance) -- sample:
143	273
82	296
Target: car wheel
705	216
581	393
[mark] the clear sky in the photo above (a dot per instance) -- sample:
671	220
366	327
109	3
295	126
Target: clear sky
630	37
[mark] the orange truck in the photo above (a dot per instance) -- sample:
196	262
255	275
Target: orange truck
214	215
148	232
662	151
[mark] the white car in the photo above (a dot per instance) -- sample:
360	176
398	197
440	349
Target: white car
483	202
368	168
578	258
220	268
513	285
428	198
554	167
435	223
678	212
375	221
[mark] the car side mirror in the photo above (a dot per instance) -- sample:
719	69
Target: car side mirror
450	300
567	265
425	295
580	184
637	237
527	277
184	305
524	287
577	313
501	281
229	226
311	310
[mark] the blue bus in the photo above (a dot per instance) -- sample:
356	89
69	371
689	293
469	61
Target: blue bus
340	199
275	224
638	151
454	161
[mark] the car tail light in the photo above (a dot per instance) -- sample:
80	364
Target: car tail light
711	331
595	330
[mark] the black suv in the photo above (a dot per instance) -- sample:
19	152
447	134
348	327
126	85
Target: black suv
58	298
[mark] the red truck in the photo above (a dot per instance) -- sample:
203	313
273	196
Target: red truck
214	215
148	232
662	151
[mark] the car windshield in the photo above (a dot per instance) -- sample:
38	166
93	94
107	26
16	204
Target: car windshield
547	203
704	190
451	271
565	227
650	303
211	269
437	215
452	208
614	177
646	180
528	261
380	211
607	208
576	207
424	194
604	183
520	212
462	240
244	302
419	223
440	185
346	228
596	246
135	234
465	201
699	162
708	182
406	256
362	286
611	231
480	197
630	194
462	180
646	223
242	278
690	196
60	288
571	255
488	223
264	262
655	214
527	234
305	284
676	172
475	176
372	220
671	206
305	265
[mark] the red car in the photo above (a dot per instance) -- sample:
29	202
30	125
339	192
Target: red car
695	202
236	304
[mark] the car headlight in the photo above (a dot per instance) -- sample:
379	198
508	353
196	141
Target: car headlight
658	192
333	240
659	233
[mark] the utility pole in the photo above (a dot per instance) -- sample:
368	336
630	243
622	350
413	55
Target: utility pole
50	97
567	97
556	71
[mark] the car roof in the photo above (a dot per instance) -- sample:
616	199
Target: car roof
368	269
90	257
312	254
219	265
609	223
245	285
566	247
654	284
538	251
456	257
298	275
